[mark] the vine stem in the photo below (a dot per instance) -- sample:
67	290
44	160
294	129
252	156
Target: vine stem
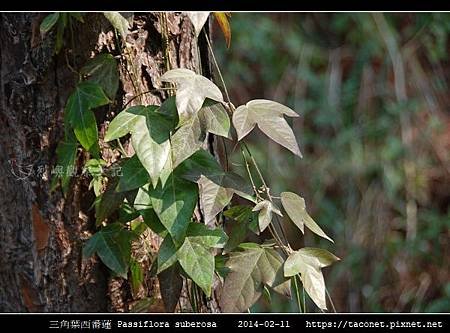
218	68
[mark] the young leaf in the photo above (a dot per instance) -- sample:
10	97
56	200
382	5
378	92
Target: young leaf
309	262
295	207
198	20
133	175
150	139
119	22
113	245
192	90
250	270
174	204
48	22
103	70
265	209
268	115
171	284
224	24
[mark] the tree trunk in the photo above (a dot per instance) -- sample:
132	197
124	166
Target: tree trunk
42	233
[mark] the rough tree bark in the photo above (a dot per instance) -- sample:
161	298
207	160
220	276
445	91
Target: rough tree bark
42	233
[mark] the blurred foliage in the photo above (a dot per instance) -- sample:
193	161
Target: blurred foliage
376	168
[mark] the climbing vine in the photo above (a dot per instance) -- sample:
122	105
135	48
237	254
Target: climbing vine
173	172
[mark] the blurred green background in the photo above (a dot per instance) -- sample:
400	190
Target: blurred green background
374	128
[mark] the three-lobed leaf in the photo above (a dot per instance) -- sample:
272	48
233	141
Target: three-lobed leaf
308	262
265	209
79	115
102	69
249	271
268	115
113	245
192	90
295	207
174	205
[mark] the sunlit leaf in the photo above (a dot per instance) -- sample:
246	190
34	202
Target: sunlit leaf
268	115
150	139
192	90
215	119
213	197
295	207
265	209
123	123
187	140
308	262
198	20
250	270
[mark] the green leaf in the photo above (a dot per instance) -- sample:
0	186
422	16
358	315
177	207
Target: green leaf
167	254
192	90
170	285
143	204
243	217
265	209
198	164
103	70
150	139
201	234
268	115
48	22
67	154
62	22
133	175
78	114
113	245
174	204
119	22
215	119
198	20
309	262
198	262
250	270
187	140
295	207
137	275
109	201
123	123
